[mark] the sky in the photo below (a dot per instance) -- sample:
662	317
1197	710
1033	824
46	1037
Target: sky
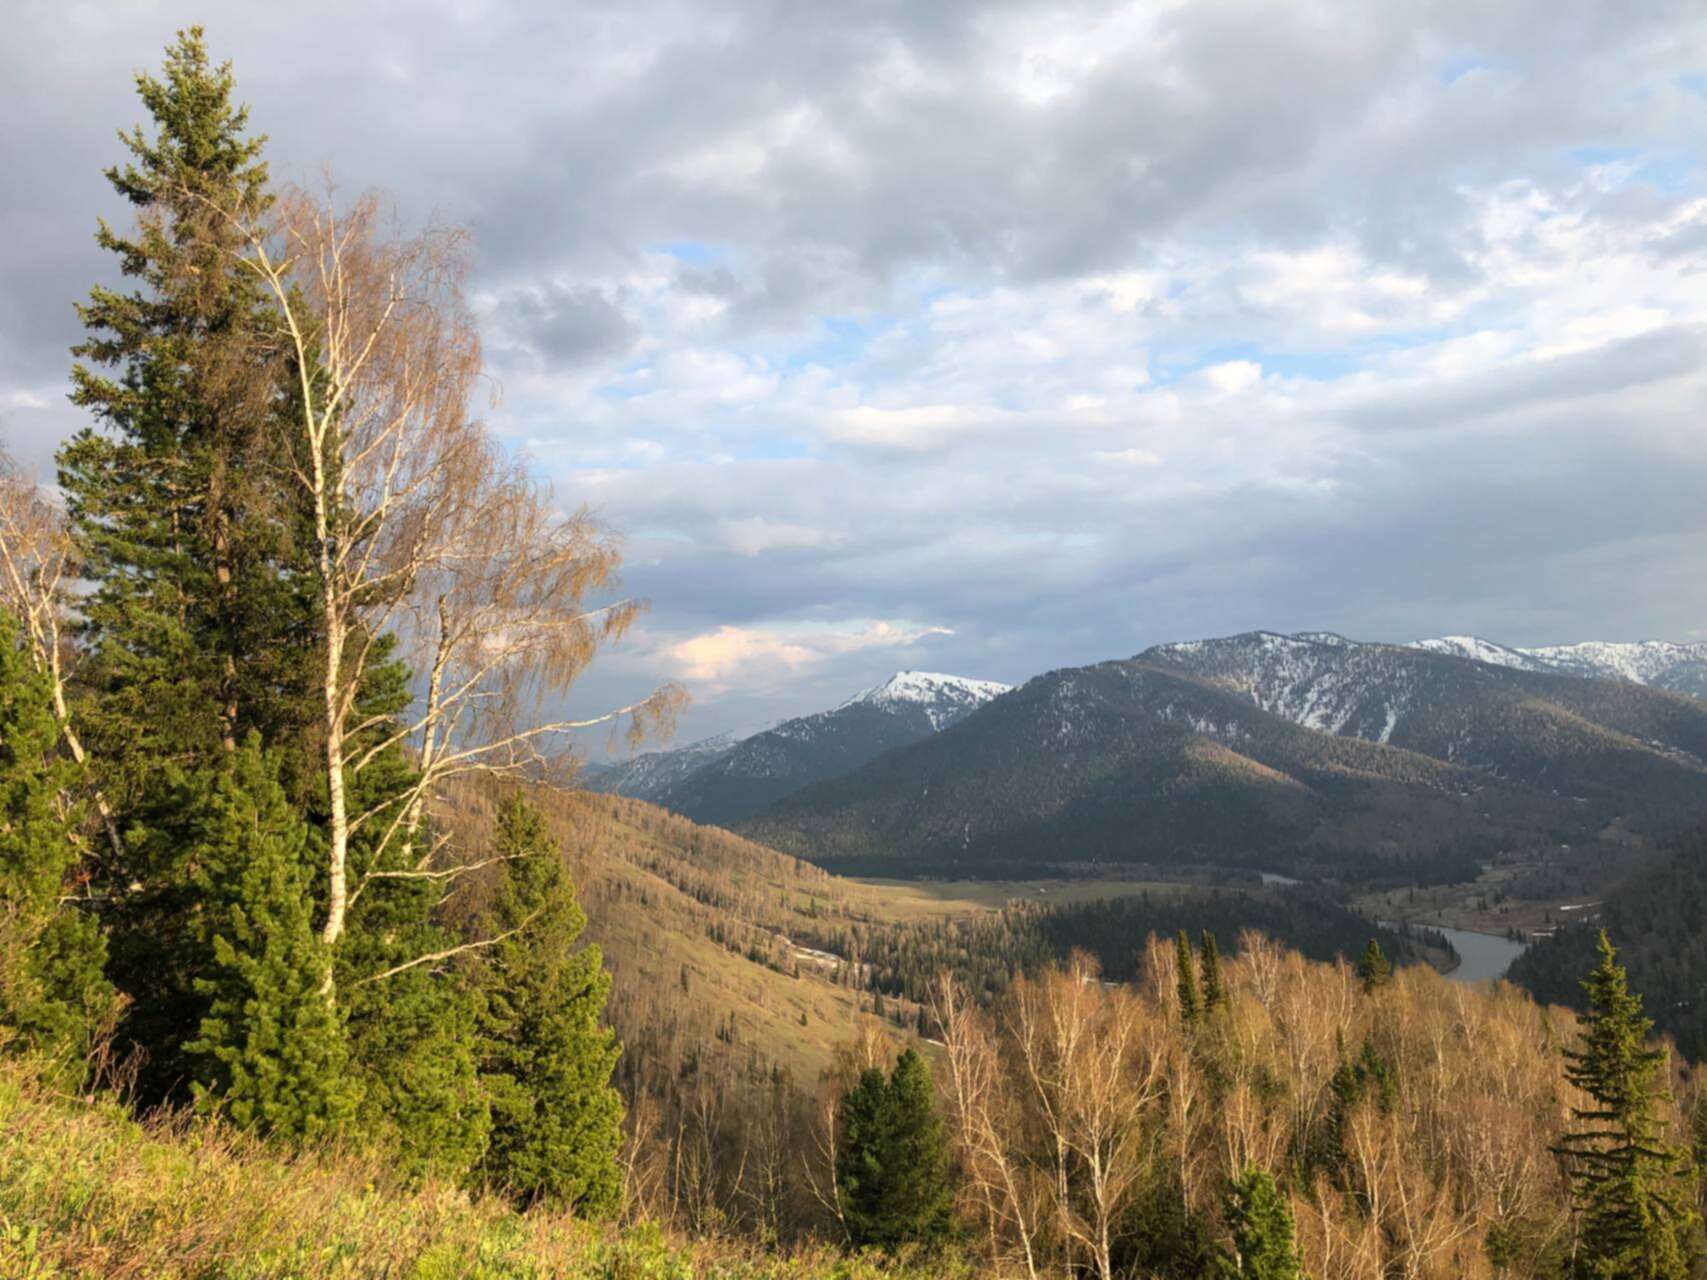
992	338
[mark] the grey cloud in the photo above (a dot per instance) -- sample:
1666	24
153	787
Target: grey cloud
1660	355
567	325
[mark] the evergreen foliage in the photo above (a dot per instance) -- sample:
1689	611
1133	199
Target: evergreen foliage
1373	968
53	995
1214	990
1190	1001
196	628
1626	1179
271	1050
1260	1221
892	1170
545	1057
412	1031
179	504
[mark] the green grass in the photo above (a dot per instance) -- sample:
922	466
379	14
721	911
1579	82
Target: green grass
87	1191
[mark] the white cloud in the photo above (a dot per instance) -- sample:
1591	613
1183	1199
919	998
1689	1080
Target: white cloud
763	656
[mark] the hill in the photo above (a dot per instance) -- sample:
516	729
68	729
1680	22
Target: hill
1408	1131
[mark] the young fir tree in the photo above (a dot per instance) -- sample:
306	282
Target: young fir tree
412	1026
1214	991
1373	968
1626	1180
1190	1002
271	1050
892	1165
53	993
545	1057
1260	1221
197	625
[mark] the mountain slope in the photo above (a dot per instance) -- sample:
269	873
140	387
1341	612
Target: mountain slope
651	774
1614	745
726	783
1654	919
1661	664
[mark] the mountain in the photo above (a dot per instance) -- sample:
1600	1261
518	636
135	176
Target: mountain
724	782
1605	742
1312	752
1662	664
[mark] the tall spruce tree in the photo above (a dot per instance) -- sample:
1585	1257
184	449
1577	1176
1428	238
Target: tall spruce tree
1214	989
1263	1245
197	625
179	501
53	994
545	1057
892	1170
1627	1181
271	1048
1190	1001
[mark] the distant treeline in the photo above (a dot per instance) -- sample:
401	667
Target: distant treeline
1658	920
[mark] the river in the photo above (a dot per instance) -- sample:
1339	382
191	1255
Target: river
1480	955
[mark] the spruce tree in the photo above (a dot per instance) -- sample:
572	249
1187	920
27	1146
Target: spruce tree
53	994
180	502
545	1057
197	625
1214	992
1373	968
1190	1002
1260	1221
1627	1181
271	1051
892	1166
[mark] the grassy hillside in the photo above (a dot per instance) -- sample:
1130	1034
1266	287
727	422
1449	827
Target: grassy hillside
87	1191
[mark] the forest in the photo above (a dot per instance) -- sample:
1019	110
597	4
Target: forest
300	920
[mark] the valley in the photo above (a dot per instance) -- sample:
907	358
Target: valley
1457	785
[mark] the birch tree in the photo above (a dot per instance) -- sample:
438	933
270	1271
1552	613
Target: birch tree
422	530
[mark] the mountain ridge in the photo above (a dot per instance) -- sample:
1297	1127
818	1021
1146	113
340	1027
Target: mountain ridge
1310	751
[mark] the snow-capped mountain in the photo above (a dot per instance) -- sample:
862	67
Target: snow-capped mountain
943	699
724	782
1661	664
1302	749
1543	726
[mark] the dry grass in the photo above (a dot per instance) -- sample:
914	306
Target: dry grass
86	1191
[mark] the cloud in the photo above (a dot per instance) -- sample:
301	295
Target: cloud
1067	326
717	658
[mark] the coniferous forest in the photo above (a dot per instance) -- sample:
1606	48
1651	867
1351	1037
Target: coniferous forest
313	962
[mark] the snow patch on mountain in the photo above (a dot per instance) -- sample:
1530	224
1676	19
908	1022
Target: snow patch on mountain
1317	679
943	698
1663	664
